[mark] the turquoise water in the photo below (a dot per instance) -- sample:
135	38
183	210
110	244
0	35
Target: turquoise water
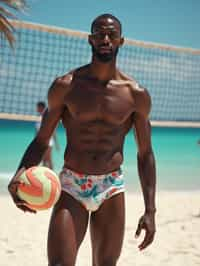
176	151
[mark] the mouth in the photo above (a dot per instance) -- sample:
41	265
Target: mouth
105	50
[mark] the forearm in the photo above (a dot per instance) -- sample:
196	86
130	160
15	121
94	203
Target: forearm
147	174
33	155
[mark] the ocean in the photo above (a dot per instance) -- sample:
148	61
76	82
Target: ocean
176	151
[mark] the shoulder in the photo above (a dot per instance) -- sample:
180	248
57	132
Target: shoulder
141	96
59	88
60	84
142	99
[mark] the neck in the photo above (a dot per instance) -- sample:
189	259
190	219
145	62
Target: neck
103	71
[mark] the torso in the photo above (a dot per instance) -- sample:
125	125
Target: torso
97	118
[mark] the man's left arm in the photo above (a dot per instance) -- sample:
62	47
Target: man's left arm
146	168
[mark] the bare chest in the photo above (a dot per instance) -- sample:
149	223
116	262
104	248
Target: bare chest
93	101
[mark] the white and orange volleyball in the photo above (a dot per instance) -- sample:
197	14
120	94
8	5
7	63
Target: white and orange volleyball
40	187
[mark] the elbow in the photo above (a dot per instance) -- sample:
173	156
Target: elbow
145	155
146	160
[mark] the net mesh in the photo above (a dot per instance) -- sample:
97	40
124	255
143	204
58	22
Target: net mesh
171	74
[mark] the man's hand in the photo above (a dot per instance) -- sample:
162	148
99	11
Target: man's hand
12	188
147	223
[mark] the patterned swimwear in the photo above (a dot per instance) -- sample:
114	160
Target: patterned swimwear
91	190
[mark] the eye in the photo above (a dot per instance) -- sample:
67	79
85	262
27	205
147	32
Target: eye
113	35
98	35
101	35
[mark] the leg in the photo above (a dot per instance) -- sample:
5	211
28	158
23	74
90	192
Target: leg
107	231
66	231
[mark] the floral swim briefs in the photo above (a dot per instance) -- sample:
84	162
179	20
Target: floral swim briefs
91	190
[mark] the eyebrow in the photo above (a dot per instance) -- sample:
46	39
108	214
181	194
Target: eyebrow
111	28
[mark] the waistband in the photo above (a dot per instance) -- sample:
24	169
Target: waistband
68	171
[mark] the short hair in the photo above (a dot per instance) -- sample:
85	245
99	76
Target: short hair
41	104
106	15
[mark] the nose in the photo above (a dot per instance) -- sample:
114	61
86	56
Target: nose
106	38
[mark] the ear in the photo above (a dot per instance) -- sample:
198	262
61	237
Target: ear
122	41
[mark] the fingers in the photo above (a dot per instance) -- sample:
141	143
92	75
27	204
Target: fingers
139	229
12	188
149	237
147	224
21	204
25	208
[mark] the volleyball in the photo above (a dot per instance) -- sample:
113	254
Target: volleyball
39	187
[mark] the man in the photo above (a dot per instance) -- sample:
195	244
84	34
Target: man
47	157
98	105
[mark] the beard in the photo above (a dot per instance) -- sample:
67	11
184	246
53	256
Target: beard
104	57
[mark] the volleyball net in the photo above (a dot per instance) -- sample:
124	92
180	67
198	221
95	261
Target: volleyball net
42	53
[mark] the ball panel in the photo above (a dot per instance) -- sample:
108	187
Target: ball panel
25	192
40	187
34	186
24	178
53	196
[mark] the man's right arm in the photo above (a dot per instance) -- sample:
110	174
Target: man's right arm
35	151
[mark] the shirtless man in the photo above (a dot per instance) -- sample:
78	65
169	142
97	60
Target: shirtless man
98	105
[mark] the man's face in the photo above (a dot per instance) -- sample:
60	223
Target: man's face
106	39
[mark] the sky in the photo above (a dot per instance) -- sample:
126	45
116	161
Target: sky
174	22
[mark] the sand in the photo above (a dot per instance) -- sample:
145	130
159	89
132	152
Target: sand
177	241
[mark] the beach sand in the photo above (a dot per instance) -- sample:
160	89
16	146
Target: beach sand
177	241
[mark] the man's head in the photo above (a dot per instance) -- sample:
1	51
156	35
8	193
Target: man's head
105	37
41	107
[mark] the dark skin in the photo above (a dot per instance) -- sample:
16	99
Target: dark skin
98	105
47	157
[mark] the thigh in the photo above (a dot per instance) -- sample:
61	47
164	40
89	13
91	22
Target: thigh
67	228
107	230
